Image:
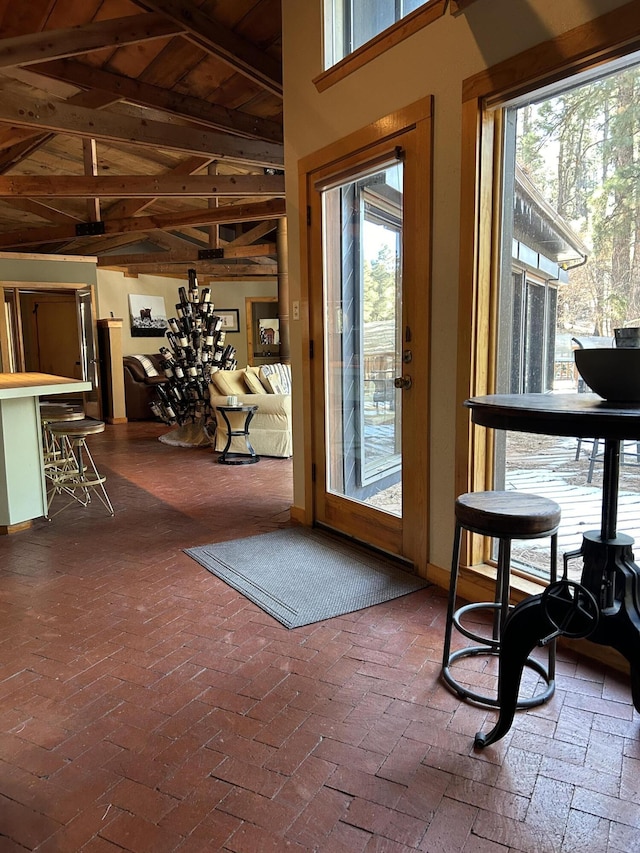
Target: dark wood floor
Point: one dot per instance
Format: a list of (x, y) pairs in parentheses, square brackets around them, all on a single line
[(145, 706)]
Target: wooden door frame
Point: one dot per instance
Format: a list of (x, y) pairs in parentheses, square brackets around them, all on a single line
[(248, 316), (14, 288), (346, 154), (587, 46)]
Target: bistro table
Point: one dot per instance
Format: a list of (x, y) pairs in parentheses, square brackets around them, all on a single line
[(238, 458), (605, 606)]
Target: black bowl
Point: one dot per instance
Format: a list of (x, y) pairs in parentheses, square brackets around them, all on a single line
[(614, 374)]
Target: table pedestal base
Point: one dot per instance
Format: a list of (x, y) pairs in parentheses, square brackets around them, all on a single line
[(606, 604)]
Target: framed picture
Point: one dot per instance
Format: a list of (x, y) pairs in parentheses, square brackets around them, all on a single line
[(148, 316), (230, 319)]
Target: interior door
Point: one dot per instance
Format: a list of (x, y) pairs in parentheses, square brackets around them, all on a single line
[(370, 330)]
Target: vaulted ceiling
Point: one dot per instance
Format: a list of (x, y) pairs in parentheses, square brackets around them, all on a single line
[(146, 132)]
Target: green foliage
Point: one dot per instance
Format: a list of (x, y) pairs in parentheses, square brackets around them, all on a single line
[(380, 286), (582, 151)]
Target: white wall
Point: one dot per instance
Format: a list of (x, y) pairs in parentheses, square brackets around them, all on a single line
[(434, 61), (113, 299)]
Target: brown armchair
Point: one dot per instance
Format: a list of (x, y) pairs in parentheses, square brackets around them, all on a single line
[(140, 385)]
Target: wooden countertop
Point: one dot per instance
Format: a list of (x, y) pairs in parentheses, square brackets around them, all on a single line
[(36, 384)]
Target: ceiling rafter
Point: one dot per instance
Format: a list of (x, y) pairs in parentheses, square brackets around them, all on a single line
[(142, 186), (114, 32), (211, 35), (126, 208), (62, 117), (44, 211), (183, 257), (210, 270), (205, 216), (176, 103)]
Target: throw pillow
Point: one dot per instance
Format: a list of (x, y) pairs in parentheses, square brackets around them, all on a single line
[(276, 376), (147, 365), (229, 382), (252, 381)]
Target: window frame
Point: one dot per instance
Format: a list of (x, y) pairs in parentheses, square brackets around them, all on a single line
[(402, 29), (588, 46)]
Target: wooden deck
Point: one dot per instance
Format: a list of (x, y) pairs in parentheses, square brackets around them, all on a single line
[(547, 466)]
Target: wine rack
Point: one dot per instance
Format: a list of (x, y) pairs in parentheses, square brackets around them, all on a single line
[(195, 348)]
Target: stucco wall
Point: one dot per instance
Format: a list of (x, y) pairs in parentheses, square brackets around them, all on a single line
[(113, 298), (434, 61)]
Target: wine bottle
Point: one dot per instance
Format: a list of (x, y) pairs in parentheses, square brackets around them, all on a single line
[(193, 286), (206, 295), (182, 293), (166, 402), (173, 324)]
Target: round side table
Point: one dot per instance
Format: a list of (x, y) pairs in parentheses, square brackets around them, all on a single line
[(237, 458)]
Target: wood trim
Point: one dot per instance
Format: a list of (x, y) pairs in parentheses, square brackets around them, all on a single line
[(612, 35), (376, 46), (587, 46), (352, 145), (375, 143), (248, 318)]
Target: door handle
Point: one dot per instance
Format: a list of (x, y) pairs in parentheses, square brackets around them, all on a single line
[(403, 382)]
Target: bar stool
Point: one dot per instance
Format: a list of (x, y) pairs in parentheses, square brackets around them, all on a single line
[(504, 516), (51, 448), (76, 474)]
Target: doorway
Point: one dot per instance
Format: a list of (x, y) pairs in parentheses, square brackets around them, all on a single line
[(369, 287), (52, 329)]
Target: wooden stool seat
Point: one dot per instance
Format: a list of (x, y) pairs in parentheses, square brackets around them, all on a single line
[(50, 413), (76, 428), (503, 516), (513, 514)]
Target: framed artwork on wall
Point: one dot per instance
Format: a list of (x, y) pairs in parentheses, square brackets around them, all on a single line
[(148, 316), (230, 319)]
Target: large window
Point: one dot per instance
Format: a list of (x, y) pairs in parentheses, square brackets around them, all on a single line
[(569, 274), (349, 24)]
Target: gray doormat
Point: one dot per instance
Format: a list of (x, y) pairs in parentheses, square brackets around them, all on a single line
[(300, 576)]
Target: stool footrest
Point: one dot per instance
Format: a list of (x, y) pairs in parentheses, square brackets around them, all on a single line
[(493, 701)]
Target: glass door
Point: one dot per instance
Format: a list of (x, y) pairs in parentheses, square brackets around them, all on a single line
[(362, 338), (89, 363), (370, 342)]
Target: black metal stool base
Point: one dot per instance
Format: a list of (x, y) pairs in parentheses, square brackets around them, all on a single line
[(492, 701)]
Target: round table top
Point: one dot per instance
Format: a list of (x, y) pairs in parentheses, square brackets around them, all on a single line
[(241, 407), (577, 415)]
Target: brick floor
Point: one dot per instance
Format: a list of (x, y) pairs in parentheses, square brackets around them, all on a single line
[(145, 706)]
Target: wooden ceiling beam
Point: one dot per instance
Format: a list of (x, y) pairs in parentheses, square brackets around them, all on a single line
[(129, 207), (185, 256), (61, 117), (176, 103), (212, 270), (214, 37), (254, 233), (141, 186), (44, 211), (194, 234), (94, 99), (162, 222), (115, 32)]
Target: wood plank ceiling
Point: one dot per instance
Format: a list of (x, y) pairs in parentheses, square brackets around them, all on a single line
[(145, 132)]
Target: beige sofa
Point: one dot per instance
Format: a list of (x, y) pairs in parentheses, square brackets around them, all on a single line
[(268, 388)]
